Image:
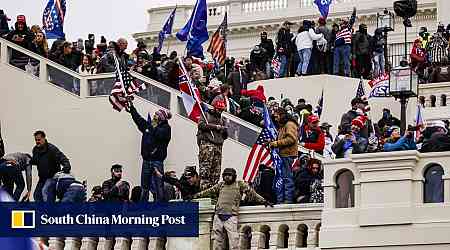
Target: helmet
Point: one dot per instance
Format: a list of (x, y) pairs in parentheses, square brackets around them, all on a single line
[(230, 171)]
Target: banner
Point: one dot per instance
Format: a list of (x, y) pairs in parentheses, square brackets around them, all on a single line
[(174, 219)]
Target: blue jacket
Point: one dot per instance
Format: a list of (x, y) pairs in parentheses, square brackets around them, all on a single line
[(154, 141), (402, 144)]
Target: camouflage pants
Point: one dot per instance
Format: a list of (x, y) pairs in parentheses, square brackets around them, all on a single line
[(210, 160)]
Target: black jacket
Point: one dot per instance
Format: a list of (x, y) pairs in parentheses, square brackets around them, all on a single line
[(284, 37), (439, 142), (113, 193), (303, 181), (267, 44), (346, 123), (154, 141), (49, 160)]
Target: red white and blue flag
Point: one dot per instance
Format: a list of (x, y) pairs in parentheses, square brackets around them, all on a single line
[(124, 87), (53, 19), (190, 95)]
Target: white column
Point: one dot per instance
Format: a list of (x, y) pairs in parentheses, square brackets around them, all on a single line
[(292, 238), (442, 11), (89, 243), (105, 243), (235, 9), (311, 240), (56, 243), (273, 241), (446, 179), (122, 243), (72, 243), (139, 243), (256, 237)]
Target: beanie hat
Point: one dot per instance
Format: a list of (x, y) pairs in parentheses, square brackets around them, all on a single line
[(359, 121), (313, 118), (21, 19), (163, 115)]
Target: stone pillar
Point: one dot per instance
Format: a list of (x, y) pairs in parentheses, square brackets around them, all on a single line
[(105, 243), (56, 243), (311, 240), (442, 11), (139, 243), (293, 4), (122, 243), (446, 179), (89, 243), (256, 238), (235, 9), (292, 238), (273, 240), (72, 243)]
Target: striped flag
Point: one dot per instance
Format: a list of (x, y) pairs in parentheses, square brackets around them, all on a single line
[(124, 87), (190, 95), (276, 65), (218, 45), (360, 91)]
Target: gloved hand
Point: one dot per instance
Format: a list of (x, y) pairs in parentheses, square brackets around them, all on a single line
[(268, 203), (66, 170)]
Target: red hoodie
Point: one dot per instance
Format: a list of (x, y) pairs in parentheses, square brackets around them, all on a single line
[(258, 93), (317, 146)]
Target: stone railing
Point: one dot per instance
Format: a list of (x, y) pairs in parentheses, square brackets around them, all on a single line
[(387, 199), (282, 227)]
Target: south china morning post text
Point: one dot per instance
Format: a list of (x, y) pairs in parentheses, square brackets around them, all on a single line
[(173, 219), (115, 219)]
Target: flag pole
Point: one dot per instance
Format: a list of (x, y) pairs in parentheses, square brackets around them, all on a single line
[(168, 47)]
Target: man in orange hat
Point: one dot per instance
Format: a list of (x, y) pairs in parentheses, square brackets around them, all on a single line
[(211, 135)]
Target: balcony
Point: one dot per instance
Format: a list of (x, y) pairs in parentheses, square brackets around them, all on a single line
[(397, 199), (281, 227)]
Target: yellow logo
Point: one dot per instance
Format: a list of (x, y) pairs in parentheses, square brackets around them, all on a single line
[(22, 219)]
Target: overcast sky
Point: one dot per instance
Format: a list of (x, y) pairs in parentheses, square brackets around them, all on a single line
[(111, 18)]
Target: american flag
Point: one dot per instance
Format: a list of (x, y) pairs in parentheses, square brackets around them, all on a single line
[(218, 45), (276, 65), (124, 87), (263, 155), (360, 91), (53, 19)]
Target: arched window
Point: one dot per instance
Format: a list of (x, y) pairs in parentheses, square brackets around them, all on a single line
[(434, 184), (433, 101), (265, 237), (283, 237), (302, 236), (345, 192), (443, 100), (246, 237)]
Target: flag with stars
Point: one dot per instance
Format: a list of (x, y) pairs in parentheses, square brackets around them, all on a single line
[(53, 19), (124, 87), (360, 93), (261, 154)]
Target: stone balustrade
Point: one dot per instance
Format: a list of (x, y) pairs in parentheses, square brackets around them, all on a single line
[(287, 226)]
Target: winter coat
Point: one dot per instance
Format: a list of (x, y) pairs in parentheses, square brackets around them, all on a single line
[(356, 148), (267, 45), (208, 132), (68, 61), (346, 123), (155, 140), (111, 192), (287, 141), (284, 37), (4, 27), (439, 142), (404, 143), (309, 187), (361, 43), (377, 43), (238, 79), (313, 139), (49, 160), (304, 40)]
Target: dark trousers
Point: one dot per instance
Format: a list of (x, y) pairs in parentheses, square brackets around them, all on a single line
[(363, 66), (11, 175), (41, 190), (76, 193), (151, 182)]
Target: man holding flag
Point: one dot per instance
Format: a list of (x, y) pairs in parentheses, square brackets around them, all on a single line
[(195, 32), (287, 144)]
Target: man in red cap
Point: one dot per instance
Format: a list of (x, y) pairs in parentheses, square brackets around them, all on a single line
[(313, 138), (23, 37), (351, 141), (211, 135)]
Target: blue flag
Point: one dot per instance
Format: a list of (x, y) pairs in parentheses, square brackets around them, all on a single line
[(277, 163), (319, 107), (53, 19), (167, 29), (324, 6), (195, 32)]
